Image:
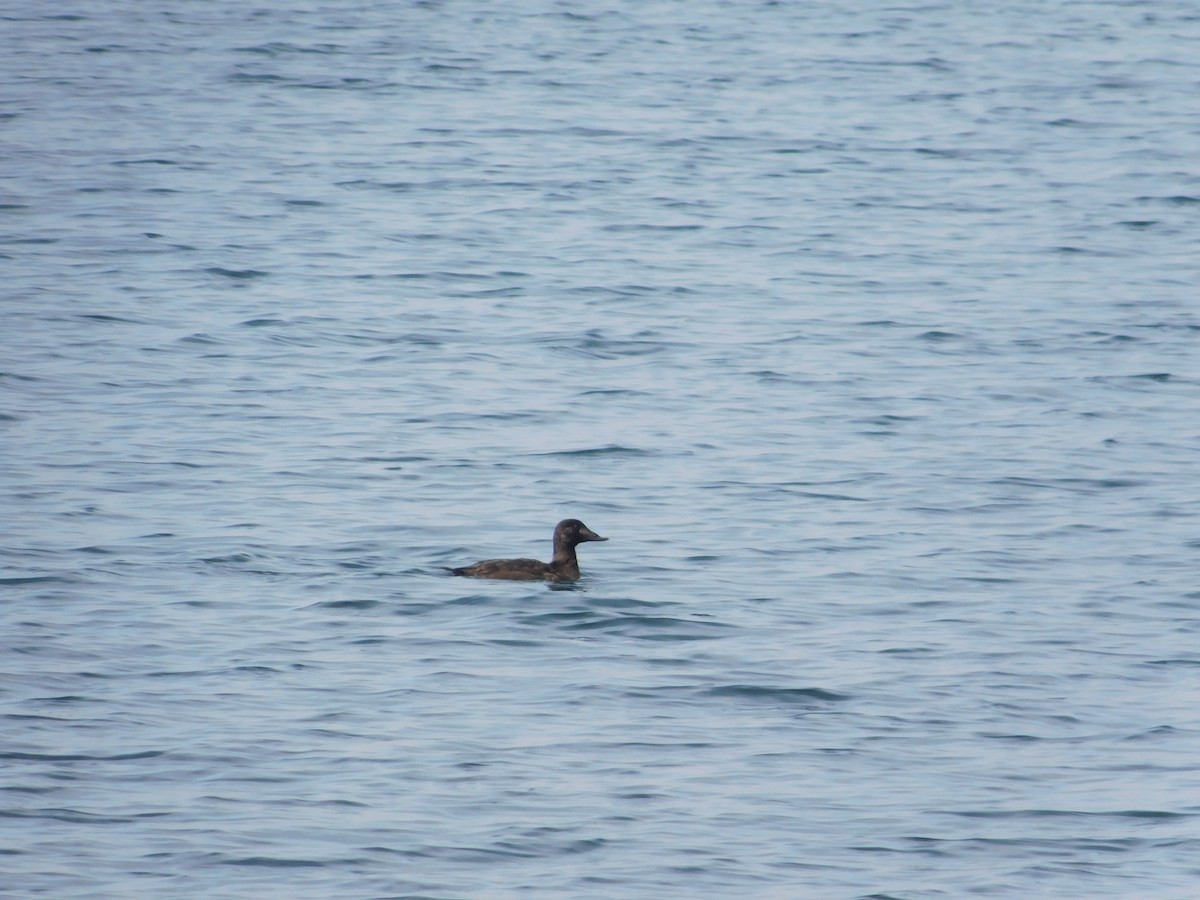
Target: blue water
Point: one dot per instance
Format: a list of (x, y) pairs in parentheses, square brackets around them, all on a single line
[(866, 332)]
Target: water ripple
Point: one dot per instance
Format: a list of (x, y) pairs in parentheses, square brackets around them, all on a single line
[(866, 334)]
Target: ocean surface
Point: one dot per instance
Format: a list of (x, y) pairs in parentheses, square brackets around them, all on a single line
[(867, 332)]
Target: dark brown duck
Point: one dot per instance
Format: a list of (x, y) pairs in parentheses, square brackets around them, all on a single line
[(563, 567)]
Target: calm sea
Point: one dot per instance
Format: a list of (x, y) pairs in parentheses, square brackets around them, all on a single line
[(867, 332)]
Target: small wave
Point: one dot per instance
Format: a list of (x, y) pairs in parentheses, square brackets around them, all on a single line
[(1134, 380), (654, 628), (779, 695), (1173, 662), (100, 317), (278, 48), (595, 345), (1173, 200), (347, 604), (231, 558), (608, 450), (646, 227), (76, 757), (199, 338), (256, 78), (1082, 485), (36, 579), (273, 862), (1070, 814), (237, 274), (74, 816)]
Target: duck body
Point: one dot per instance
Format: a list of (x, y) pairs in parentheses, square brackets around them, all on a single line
[(563, 566)]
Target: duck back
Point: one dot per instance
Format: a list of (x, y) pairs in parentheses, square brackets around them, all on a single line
[(508, 569)]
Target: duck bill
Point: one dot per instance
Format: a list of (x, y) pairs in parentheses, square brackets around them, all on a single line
[(588, 535)]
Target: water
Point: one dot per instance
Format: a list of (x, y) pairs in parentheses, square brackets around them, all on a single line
[(867, 335)]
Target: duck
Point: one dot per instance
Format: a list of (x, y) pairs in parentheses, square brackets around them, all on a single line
[(564, 566)]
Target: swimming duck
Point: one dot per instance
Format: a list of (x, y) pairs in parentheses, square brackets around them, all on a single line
[(563, 567)]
